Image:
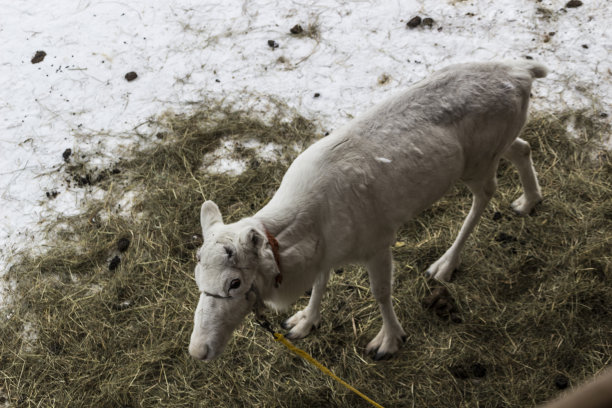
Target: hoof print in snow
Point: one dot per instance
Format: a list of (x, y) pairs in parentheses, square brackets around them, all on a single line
[(428, 22), (130, 76), (38, 57), (272, 44), (52, 194), (296, 29), (573, 4), (114, 263), (414, 22)]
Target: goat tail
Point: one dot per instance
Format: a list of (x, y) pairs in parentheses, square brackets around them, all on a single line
[(537, 70)]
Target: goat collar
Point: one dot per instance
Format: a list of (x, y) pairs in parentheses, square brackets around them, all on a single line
[(275, 251)]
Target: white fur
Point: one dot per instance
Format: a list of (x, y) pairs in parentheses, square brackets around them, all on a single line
[(343, 199)]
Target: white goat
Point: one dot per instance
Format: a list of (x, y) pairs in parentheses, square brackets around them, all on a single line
[(595, 393), (343, 199)]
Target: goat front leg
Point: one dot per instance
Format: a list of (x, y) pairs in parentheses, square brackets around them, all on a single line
[(482, 191), (390, 337), (305, 320)]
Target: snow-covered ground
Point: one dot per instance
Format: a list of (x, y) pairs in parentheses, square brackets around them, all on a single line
[(350, 55)]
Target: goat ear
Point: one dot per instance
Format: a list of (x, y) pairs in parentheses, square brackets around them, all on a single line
[(209, 216)]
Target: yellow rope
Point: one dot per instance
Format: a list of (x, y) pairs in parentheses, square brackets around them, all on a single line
[(280, 338)]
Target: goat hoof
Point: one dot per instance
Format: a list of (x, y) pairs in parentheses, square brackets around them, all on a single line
[(428, 274), (286, 325), (381, 356)]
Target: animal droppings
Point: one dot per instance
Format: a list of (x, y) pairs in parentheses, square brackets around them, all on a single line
[(123, 244), (52, 194), (478, 370), (573, 4), (414, 22), (296, 29), (38, 57), (114, 263), (130, 76), (561, 382), (505, 238), (428, 21)]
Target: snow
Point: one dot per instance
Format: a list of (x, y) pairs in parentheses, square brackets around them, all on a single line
[(189, 51), (221, 161)]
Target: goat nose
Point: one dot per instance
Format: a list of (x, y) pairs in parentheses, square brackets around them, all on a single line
[(198, 351)]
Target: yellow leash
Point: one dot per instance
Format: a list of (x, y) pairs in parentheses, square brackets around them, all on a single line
[(281, 339)]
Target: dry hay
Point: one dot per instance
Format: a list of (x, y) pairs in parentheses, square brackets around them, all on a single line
[(533, 295)]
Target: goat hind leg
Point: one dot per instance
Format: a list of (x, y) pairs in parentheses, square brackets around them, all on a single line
[(482, 192), (519, 153)]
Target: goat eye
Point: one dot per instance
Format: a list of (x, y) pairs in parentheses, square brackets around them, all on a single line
[(235, 284)]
